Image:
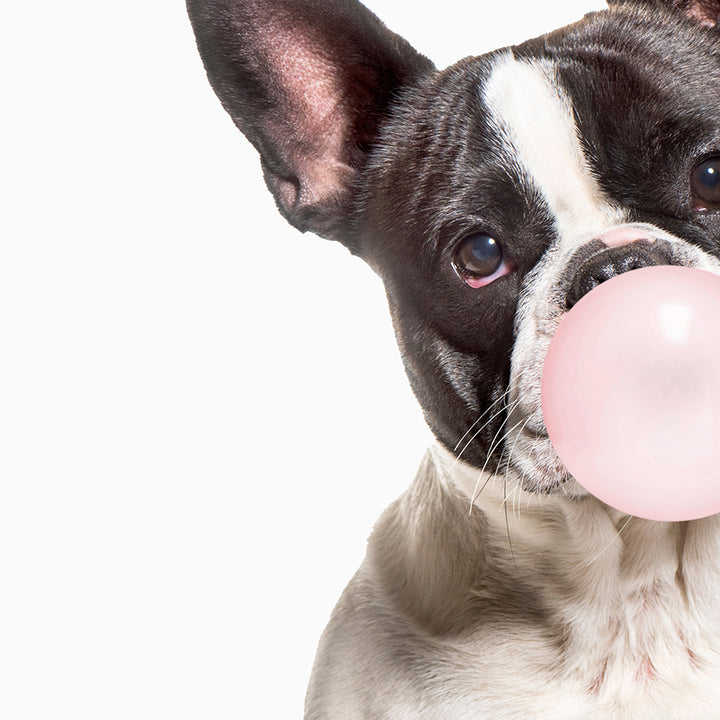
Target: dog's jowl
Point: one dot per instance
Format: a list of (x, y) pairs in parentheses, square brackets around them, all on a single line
[(490, 197)]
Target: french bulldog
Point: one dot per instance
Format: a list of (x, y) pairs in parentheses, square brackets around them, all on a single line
[(490, 197)]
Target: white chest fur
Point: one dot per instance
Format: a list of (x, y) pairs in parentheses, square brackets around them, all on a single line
[(590, 615), (633, 608)]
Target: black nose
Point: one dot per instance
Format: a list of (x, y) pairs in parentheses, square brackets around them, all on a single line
[(611, 262)]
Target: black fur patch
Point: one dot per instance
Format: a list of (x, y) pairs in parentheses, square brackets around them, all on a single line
[(425, 169)]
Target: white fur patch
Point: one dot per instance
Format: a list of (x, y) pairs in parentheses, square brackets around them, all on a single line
[(534, 117)]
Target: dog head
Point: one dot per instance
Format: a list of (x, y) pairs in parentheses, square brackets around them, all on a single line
[(489, 196)]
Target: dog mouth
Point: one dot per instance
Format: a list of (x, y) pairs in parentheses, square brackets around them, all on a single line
[(549, 294), (528, 449), (533, 460)]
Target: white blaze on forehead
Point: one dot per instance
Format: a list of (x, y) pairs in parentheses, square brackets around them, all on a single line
[(534, 118)]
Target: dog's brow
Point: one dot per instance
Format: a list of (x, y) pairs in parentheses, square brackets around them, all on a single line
[(533, 116)]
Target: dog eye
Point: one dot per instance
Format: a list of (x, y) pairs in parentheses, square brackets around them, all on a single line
[(479, 259), (705, 184)]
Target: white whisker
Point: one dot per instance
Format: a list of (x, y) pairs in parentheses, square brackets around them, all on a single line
[(493, 446), (479, 430), (486, 411), (507, 523), (512, 449), (615, 537)]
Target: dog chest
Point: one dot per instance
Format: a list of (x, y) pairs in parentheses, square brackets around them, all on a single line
[(507, 670), (647, 660), (589, 616)]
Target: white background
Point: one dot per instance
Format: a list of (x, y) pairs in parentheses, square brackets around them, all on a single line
[(202, 411)]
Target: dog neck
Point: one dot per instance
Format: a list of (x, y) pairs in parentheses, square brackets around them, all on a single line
[(567, 563)]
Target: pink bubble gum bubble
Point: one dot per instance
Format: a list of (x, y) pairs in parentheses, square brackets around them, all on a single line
[(631, 392)]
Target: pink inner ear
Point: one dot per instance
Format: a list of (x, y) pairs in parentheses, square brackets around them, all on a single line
[(705, 12), (315, 120)]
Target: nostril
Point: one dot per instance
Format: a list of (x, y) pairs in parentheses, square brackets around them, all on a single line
[(588, 281), (611, 262)]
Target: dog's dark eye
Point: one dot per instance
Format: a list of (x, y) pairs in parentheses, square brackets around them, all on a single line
[(479, 260), (705, 184), (479, 255)]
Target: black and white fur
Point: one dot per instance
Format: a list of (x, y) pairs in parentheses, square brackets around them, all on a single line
[(575, 151)]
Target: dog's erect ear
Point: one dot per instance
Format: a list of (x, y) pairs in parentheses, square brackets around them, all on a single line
[(308, 82), (706, 12)]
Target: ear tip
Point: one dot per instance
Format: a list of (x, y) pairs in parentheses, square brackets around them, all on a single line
[(309, 83)]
